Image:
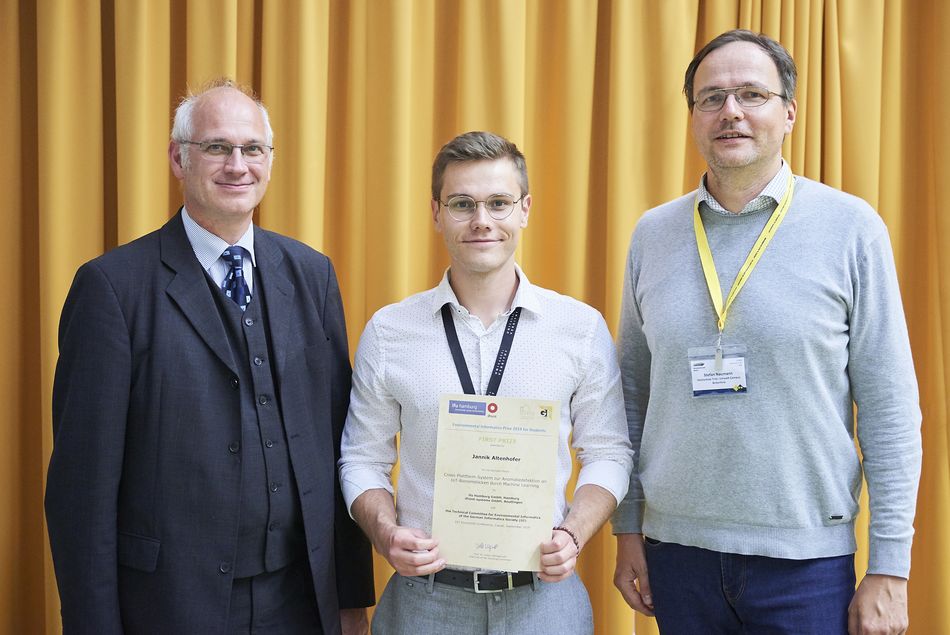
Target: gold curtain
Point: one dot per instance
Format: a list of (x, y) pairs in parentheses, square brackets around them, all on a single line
[(363, 92)]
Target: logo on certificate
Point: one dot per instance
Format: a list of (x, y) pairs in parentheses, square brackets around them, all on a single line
[(492, 407), (458, 407)]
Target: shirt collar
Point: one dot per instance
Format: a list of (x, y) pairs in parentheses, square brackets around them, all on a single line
[(208, 247), (773, 191), (526, 295)]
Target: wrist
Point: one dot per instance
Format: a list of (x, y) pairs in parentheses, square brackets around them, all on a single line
[(383, 534), (569, 532)]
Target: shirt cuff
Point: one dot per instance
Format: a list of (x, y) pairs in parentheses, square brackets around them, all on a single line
[(607, 474), (358, 481)]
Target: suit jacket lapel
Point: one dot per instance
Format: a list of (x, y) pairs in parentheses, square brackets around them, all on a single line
[(189, 289), (280, 293)]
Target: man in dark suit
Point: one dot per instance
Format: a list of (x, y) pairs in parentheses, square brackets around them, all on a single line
[(198, 403)]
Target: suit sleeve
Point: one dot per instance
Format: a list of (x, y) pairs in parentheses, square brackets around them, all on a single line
[(90, 406), (354, 556)]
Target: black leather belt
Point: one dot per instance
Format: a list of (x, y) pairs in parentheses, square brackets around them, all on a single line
[(484, 582)]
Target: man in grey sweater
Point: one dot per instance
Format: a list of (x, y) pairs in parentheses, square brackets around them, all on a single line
[(757, 312)]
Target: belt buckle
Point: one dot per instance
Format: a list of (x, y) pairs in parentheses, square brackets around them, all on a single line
[(475, 575)]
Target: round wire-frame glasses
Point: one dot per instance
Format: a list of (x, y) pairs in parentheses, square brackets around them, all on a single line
[(463, 207)]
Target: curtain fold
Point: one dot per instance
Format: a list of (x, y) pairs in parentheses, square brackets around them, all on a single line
[(362, 93)]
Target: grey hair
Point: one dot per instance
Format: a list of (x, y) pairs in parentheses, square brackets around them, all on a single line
[(183, 127), (477, 146), (784, 63)]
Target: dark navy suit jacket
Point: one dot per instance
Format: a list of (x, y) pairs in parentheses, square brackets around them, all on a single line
[(144, 483)]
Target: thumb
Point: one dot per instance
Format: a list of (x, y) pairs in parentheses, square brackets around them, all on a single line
[(645, 594)]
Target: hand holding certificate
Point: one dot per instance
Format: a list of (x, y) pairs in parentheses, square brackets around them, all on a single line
[(494, 480)]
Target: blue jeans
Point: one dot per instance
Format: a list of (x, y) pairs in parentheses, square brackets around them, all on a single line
[(700, 591)]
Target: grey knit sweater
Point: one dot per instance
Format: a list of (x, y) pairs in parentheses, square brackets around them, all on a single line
[(773, 471)]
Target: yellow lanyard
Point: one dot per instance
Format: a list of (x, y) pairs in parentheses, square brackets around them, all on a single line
[(709, 267)]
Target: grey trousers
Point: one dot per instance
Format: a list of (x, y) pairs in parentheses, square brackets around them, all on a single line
[(419, 606)]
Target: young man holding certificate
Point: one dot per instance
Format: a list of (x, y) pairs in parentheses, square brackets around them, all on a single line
[(485, 378)]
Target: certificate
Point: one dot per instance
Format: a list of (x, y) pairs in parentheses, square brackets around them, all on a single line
[(495, 466)]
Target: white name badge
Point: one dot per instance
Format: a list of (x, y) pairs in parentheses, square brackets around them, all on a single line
[(712, 378)]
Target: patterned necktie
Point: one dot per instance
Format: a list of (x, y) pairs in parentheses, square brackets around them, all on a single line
[(234, 285)]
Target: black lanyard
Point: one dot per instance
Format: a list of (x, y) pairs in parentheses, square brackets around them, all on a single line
[(500, 361)]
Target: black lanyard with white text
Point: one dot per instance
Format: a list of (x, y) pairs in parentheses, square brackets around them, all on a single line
[(500, 361)]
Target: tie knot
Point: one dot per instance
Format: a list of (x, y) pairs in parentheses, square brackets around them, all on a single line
[(235, 255)]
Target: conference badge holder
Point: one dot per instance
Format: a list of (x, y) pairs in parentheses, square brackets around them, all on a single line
[(718, 370)]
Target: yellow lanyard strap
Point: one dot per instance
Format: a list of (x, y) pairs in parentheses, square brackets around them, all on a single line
[(709, 267)]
